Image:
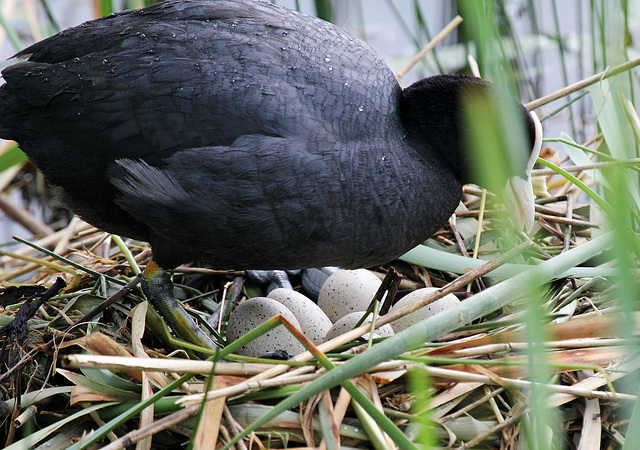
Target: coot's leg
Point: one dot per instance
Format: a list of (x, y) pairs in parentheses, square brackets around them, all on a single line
[(275, 278), (158, 288)]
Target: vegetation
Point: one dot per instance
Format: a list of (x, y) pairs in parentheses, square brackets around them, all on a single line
[(542, 352)]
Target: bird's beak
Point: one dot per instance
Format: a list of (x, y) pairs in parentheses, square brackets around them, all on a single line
[(518, 195)]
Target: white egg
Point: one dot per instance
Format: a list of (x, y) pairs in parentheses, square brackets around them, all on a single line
[(254, 312), (348, 323), (314, 323), (405, 322), (347, 291)]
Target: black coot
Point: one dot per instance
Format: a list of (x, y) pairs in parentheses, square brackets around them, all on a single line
[(242, 134)]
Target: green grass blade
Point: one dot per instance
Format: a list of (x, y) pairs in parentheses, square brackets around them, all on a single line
[(483, 303)]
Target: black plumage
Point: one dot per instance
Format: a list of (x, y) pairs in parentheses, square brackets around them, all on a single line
[(242, 134)]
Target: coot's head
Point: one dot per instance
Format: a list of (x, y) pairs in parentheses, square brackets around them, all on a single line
[(481, 136)]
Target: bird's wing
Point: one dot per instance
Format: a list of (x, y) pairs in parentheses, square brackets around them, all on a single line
[(260, 191), (187, 74), (120, 26)]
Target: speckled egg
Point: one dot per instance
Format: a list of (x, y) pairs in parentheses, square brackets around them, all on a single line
[(445, 302), (254, 312), (314, 323), (347, 291), (348, 323)]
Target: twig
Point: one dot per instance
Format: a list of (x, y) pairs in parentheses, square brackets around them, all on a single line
[(471, 406), (547, 217), (45, 347), (389, 286), (550, 229), (108, 302), (161, 424), (569, 215), (17, 328), (457, 20), (557, 212), (575, 391), (491, 431), (567, 221), (608, 72), (595, 165), (21, 215)]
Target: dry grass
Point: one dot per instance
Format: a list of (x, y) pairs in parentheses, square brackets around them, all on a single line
[(471, 387), (480, 392)]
